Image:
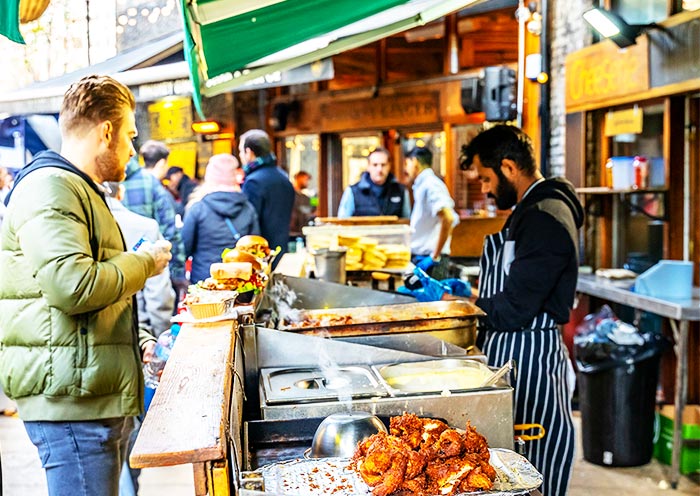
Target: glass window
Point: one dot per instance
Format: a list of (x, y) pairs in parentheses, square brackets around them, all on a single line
[(640, 11), (302, 153), (355, 152)]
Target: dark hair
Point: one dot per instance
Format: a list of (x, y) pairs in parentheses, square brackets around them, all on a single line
[(152, 151), (423, 155), (379, 149), (498, 143), (92, 100), (174, 170), (258, 141)]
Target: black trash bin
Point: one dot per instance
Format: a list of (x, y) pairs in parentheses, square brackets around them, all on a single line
[(617, 397)]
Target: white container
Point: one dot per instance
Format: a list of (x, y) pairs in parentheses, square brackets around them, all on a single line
[(622, 172), (668, 280)]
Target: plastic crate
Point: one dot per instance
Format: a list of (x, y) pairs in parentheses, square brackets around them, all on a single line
[(690, 451)]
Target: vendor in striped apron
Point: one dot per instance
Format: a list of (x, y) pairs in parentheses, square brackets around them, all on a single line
[(526, 287)]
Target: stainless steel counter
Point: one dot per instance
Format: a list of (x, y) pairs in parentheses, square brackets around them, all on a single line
[(620, 292), (679, 313)]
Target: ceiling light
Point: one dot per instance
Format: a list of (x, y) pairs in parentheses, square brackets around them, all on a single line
[(206, 127)]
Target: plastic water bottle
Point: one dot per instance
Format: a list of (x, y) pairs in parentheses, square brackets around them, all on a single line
[(153, 369), (299, 244)]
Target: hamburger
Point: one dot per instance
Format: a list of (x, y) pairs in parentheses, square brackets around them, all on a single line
[(255, 245), (233, 276), (237, 255)]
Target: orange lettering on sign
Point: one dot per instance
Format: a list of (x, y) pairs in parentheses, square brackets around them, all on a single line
[(602, 71)]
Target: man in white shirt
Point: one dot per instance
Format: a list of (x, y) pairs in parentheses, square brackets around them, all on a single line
[(157, 299), (433, 216)]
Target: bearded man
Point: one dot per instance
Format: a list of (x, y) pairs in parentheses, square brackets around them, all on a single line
[(526, 287), (70, 348)]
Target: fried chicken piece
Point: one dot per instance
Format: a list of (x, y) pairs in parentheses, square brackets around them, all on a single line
[(384, 465), (476, 443), (432, 429), (409, 428), (479, 479), (450, 443), (414, 487), (446, 475), (416, 464)]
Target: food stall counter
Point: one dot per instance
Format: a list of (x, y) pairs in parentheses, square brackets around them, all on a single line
[(187, 421)]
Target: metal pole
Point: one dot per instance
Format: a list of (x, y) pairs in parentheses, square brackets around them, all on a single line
[(87, 20), (544, 91), (521, 61)]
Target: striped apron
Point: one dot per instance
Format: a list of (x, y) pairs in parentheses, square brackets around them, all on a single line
[(541, 388)]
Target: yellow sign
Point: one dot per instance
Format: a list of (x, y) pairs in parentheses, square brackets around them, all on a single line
[(603, 71), (171, 118), (183, 155), (624, 122)]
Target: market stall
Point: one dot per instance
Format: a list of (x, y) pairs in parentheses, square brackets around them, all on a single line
[(237, 395)]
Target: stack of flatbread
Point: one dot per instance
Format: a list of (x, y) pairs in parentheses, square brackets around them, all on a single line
[(397, 256), (364, 252)]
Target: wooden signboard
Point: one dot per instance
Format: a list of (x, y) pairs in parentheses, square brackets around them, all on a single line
[(381, 112), (603, 71)]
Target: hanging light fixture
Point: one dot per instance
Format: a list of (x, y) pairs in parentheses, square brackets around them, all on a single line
[(31, 10)]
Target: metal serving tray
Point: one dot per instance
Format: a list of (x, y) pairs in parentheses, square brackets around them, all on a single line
[(384, 319), (303, 384), (435, 376)]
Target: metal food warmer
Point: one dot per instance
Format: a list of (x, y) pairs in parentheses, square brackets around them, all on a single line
[(297, 372)]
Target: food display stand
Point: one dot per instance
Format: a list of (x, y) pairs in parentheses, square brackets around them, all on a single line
[(209, 412)]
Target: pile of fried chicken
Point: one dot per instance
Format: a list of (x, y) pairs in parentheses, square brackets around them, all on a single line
[(422, 457)]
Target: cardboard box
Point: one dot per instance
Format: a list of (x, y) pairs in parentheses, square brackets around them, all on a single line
[(690, 449)]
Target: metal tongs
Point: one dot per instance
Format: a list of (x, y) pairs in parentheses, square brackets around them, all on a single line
[(493, 378)]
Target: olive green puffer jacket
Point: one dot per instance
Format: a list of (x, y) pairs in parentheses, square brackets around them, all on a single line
[(68, 347)]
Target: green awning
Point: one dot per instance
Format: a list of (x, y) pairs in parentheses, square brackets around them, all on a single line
[(9, 20), (230, 42)]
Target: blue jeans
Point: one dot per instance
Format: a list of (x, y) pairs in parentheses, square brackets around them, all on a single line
[(82, 458)]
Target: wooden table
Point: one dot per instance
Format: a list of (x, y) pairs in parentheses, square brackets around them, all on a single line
[(188, 419)]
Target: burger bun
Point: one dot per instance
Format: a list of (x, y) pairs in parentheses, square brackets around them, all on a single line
[(236, 255)]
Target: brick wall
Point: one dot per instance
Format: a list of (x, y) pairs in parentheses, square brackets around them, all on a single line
[(569, 32)]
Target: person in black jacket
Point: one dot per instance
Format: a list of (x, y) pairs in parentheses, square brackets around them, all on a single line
[(377, 192), (217, 215), (268, 189), (526, 287)]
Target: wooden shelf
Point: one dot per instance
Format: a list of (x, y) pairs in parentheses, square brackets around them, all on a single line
[(604, 190)]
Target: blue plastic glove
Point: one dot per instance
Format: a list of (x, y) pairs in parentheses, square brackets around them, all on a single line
[(432, 289), (426, 263), (458, 287)]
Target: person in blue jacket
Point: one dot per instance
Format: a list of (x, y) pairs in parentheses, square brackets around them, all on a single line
[(267, 188), (217, 215)]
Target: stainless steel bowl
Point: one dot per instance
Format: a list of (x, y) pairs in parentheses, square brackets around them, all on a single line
[(339, 434)]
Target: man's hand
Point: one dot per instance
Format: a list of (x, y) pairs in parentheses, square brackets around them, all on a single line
[(148, 351), (426, 263), (160, 251)]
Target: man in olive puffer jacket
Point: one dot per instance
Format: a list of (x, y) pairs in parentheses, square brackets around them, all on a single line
[(70, 347)]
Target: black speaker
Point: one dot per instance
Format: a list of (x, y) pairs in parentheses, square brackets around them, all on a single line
[(500, 94), (278, 119), (472, 95)]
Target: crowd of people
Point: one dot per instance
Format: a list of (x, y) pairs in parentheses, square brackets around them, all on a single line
[(79, 315)]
